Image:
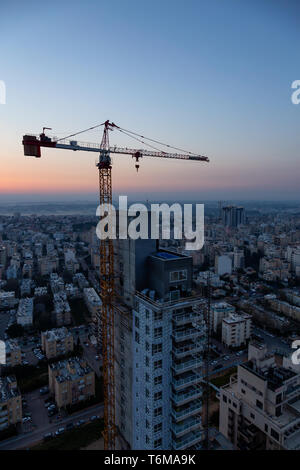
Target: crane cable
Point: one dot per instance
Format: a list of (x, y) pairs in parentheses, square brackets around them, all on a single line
[(127, 132), (156, 141), (80, 132)]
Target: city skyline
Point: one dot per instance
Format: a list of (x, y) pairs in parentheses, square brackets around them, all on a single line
[(214, 87)]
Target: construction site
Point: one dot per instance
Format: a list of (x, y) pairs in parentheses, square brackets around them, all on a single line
[(152, 330)]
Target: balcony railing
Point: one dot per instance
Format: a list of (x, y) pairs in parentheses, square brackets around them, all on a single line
[(188, 411), (186, 365), (182, 318), (189, 379), (180, 398), (191, 348), (188, 441), (181, 335), (186, 426)]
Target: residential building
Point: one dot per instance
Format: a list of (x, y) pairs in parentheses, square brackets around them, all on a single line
[(159, 346), (71, 381), (57, 342), (236, 329), (259, 408), (10, 402), (13, 353), (25, 312), (219, 311)]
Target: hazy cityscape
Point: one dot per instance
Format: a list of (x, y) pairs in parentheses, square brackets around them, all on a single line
[(51, 383), (149, 230)]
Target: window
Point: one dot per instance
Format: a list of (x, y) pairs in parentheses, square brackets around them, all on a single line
[(224, 399), (158, 427), (266, 428), (158, 364), (137, 337), (274, 434), (147, 314), (137, 322), (147, 378), (278, 398), (252, 415), (157, 316), (147, 361), (157, 411), (178, 275), (259, 404), (157, 396), (156, 348), (147, 393), (158, 380), (158, 332), (147, 330), (243, 391)]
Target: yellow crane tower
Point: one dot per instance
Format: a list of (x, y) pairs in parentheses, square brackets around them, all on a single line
[(32, 147)]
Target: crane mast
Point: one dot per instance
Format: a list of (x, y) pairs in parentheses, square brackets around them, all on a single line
[(32, 147)]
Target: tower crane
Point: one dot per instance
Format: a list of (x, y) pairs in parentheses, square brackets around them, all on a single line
[(32, 147)]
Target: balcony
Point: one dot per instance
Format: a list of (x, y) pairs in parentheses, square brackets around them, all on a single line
[(184, 397), (187, 317), (189, 348), (191, 424), (188, 411), (187, 365), (190, 378), (188, 441), (185, 334)]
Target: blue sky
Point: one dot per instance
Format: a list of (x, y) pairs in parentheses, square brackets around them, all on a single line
[(211, 76)]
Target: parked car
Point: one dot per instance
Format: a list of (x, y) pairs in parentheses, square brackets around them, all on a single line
[(48, 436), (60, 431), (69, 426)]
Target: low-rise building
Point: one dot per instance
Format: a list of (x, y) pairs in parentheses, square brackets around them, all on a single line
[(13, 353), (219, 311), (25, 312), (259, 408), (71, 381), (57, 342), (62, 310), (10, 402), (236, 329)]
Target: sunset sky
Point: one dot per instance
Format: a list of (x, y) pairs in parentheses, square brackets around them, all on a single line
[(213, 77)]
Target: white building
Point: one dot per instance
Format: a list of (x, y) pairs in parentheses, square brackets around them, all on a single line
[(236, 329), (259, 408), (219, 311)]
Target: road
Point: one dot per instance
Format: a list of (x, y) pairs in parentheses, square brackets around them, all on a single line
[(26, 440)]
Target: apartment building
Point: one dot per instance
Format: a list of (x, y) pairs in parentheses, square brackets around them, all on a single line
[(7, 299), (219, 311), (236, 329), (259, 408), (10, 402), (13, 353), (62, 310), (25, 312), (159, 344), (71, 381), (57, 342)]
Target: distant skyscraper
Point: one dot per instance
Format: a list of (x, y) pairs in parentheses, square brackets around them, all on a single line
[(233, 216)]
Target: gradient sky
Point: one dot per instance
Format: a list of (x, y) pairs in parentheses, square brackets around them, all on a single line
[(211, 76)]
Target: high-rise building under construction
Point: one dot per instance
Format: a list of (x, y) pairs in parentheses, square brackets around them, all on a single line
[(159, 345)]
